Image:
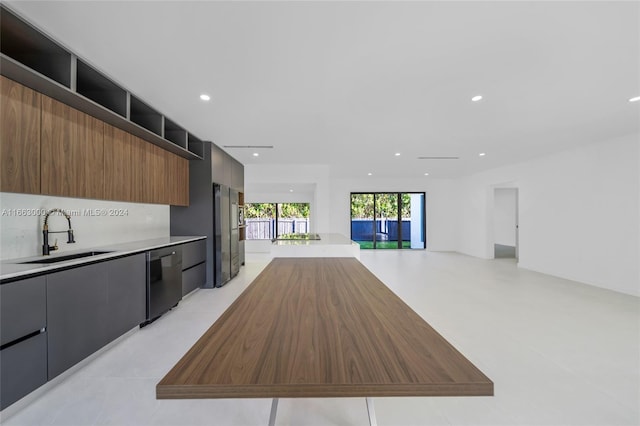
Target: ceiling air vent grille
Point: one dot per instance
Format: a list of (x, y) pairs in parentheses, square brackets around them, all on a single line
[(438, 158), (250, 146)]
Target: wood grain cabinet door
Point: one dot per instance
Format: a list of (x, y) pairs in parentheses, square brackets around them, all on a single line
[(177, 180), (19, 138), (153, 170), (138, 147), (118, 165), (183, 181), (72, 152)]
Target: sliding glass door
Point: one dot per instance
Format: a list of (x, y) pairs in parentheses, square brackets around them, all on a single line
[(388, 220), (386, 217)]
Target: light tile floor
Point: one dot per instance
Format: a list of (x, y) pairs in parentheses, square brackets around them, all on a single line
[(559, 353)]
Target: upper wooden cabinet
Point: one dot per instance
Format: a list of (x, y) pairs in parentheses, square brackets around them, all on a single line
[(19, 138), (141, 172), (51, 148), (72, 152)]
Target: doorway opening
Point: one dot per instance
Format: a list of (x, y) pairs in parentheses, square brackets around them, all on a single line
[(505, 223)]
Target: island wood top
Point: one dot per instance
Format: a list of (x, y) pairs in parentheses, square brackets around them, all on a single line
[(321, 327)]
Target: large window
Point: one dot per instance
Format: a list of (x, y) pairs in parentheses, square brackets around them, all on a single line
[(388, 220), (266, 221)]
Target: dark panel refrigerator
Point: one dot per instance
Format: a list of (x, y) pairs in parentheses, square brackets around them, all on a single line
[(222, 240), (235, 241)]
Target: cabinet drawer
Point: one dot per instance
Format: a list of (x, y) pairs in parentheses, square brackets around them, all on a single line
[(193, 253), (194, 278), (23, 308), (23, 368)]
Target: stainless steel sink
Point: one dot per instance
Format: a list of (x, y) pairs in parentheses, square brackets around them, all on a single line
[(65, 257)]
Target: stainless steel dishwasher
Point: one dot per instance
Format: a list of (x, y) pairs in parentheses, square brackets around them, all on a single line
[(164, 281)]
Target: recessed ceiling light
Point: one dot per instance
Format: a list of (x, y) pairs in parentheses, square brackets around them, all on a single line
[(476, 98), (426, 174), (255, 154), (291, 190), (205, 97), (482, 154), (397, 154), (636, 99), (369, 174)]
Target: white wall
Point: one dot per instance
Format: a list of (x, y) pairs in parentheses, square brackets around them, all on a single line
[(578, 214), (21, 235), (504, 216)]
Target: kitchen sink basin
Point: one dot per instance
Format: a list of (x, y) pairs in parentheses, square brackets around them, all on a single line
[(64, 258)]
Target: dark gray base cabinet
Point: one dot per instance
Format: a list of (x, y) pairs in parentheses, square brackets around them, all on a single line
[(76, 315), (89, 306), (23, 367), (193, 278), (194, 268), (23, 360), (193, 253), (127, 306)]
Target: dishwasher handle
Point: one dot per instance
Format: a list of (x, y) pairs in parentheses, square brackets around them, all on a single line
[(159, 255)]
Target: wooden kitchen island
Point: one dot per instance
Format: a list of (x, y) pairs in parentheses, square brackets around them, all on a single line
[(321, 327)]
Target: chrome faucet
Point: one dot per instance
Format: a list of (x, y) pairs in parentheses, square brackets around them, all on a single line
[(46, 248)]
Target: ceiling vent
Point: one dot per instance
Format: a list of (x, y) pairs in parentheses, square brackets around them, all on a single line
[(438, 158), (250, 146)]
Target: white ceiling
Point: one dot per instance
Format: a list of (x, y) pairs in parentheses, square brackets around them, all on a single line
[(350, 83)]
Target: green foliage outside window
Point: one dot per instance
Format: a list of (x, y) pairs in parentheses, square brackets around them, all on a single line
[(298, 210), (386, 206), (268, 210), (259, 210)]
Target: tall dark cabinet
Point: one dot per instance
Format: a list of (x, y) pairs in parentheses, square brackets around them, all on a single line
[(222, 227), (216, 186), (235, 237)]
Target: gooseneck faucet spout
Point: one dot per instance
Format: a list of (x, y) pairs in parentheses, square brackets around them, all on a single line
[(46, 248)]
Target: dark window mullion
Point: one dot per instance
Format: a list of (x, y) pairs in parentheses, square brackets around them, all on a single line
[(399, 203), (277, 216), (375, 221)]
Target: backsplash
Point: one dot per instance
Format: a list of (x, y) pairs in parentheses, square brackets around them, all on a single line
[(94, 222)]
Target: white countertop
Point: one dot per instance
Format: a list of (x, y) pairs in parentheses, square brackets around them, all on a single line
[(14, 268), (325, 239), (329, 245)]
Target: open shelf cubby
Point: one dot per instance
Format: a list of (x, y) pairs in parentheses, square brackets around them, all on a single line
[(194, 145), (175, 133), (95, 86), (25, 44), (145, 116)]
